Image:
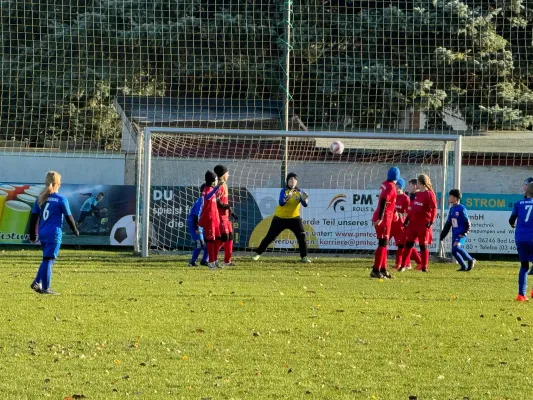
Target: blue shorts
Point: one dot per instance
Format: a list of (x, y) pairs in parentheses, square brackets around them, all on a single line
[(460, 240), (525, 251), (50, 249), (196, 237)]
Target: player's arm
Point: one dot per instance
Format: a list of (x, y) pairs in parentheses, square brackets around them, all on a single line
[(196, 212), (303, 198), (513, 217), (34, 219), (284, 198), (446, 228), (466, 220), (65, 208), (433, 208), (213, 192)]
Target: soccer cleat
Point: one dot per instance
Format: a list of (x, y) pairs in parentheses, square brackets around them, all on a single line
[(305, 260), (193, 264), (402, 269), (229, 264), (204, 263), (212, 265), (462, 270), (376, 274), (218, 265), (36, 287), (256, 257), (424, 269), (407, 267), (521, 298), (49, 291), (386, 274), (471, 264), (419, 267)]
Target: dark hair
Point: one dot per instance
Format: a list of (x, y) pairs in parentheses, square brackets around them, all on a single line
[(289, 176), (413, 181), (455, 193), (101, 194)]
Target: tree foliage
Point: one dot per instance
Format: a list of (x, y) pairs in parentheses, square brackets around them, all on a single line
[(354, 64)]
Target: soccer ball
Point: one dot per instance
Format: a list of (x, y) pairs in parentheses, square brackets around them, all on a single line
[(336, 147), (123, 232)]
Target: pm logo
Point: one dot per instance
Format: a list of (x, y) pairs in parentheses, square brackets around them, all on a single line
[(337, 202)]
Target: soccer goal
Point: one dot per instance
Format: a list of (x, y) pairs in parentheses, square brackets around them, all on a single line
[(343, 188)]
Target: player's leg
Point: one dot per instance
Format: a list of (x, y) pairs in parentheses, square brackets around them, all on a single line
[(296, 226), (222, 237), (460, 249), (523, 249), (205, 255), (410, 237), (210, 237), (197, 246), (424, 242), (381, 251), (50, 252), (228, 245), (415, 256), (37, 283), (277, 226), (383, 246)]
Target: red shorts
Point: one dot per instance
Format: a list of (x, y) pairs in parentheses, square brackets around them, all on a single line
[(212, 231), (383, 230), (398, 232), (226, 226), (422, 233)]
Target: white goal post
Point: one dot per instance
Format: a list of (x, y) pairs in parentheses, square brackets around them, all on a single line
[(171, 163)]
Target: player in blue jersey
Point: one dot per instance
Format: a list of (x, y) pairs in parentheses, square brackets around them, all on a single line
[(49, 210), (196, 231), (459, 222), (522, 219), (527, 181)]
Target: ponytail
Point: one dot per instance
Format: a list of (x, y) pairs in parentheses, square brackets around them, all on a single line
[(51, 182), (425, 181)]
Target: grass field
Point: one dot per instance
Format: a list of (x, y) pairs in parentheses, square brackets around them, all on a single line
[(157, 329)]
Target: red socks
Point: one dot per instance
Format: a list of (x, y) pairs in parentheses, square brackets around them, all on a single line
[(212, 251), (228, 251), (424, 255), (399, 257), (380, 258)]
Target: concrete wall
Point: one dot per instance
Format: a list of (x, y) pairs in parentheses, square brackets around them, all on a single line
[(475, 179), (75, 169)]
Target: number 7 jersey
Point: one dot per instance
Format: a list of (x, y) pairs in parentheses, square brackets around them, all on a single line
[(51, 218), (523, 211)]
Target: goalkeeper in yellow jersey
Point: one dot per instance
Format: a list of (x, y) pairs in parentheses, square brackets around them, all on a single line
[(287, 216)]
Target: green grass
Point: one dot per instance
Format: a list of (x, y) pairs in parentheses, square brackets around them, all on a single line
[(156, 329)]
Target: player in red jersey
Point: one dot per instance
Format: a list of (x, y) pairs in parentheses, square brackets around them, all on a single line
[(225, 213), (406, 261), (209, 218), (382, 221), (420, 218), (397, 227)]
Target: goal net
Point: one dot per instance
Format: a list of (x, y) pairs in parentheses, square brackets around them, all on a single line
[(343, 189)]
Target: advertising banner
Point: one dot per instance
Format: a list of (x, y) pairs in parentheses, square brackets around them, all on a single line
[(104, 213)]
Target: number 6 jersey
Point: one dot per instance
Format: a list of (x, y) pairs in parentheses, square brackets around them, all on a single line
[(51, 217)]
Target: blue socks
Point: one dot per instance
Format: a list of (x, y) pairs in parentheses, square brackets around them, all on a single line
[(44, 274), (196, 253), (461, 255), (522, 278)]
